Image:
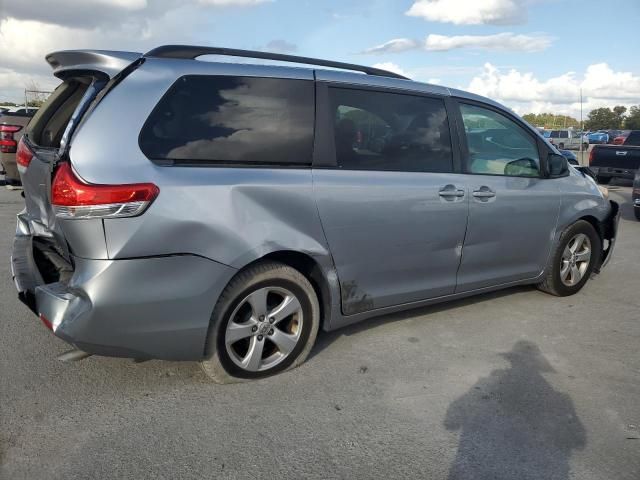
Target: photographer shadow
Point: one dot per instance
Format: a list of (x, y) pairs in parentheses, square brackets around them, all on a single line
[(514, 425)]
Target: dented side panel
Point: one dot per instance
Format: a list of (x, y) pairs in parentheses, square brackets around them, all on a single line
[(230, 215)]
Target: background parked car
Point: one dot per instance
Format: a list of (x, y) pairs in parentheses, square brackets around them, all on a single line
[(616, 161), (570, 156), (620, 139), (21, 111), (612, 135), (598, 138), (564, 139), (636, 195), (12, 126)]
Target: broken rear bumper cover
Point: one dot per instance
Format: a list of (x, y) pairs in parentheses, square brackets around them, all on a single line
[(155, 307)]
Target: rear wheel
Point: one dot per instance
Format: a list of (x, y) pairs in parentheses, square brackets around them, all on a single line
[(561, 146), (573, 261), (266, 321), (603, 179)]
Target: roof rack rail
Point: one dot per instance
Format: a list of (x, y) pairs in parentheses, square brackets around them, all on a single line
[(191, 52)]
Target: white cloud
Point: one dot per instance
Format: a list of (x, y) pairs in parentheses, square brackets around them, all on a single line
[(441, 43), (392, 67), (471, 12), (524, 92), (136, 25), (233, 3), (394, 46), (499, 41)]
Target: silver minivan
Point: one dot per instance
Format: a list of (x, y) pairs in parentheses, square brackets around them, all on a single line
[(185, 209)]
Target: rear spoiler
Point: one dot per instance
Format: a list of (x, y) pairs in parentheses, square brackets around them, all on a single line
[(107, 62)]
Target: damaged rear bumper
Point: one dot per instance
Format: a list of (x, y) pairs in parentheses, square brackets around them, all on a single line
[(156, 307)]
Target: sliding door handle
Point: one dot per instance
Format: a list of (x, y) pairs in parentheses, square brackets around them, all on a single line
[(484, 194), (450, 191)]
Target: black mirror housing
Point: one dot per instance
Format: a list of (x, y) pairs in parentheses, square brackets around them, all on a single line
[(557, 165)]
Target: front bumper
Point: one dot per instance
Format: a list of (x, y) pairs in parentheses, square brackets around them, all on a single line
[(156, 307), (610, 233)]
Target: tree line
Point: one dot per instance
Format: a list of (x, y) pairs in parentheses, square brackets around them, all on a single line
[(605, 118)]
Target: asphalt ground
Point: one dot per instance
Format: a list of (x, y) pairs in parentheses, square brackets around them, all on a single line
[(512, 385)]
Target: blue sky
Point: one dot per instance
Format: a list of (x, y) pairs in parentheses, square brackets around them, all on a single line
[(533, 55)]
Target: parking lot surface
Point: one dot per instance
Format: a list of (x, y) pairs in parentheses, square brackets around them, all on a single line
[(516, 384)]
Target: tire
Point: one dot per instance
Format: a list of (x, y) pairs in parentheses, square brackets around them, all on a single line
[(636, 211), (585, 146), (553, 282), (603, 180), (561, 146), (265, 287)]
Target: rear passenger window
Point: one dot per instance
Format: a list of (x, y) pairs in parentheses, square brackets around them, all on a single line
[(224, 119), (390, 131), (498, 145)]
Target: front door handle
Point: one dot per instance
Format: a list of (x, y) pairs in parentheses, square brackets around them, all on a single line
[(484, 193), (450, 191)]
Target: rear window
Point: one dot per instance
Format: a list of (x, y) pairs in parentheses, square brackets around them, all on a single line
[(227, 119), (559, 134), (50, 121)]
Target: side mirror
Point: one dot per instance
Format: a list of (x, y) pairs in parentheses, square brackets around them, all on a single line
[(558, 165)]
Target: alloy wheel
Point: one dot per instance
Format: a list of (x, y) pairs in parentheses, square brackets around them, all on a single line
[(575, 260), (264, 329)]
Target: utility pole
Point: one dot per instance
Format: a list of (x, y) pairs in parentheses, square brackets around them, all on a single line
[(581, 130)]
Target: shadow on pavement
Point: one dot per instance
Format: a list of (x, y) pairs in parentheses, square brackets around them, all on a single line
[(514, 425)]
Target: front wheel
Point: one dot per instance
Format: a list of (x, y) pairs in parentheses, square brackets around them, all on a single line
[(265, 322), (573, 261)]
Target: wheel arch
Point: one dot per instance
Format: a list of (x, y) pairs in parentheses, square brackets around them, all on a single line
[(595, 223), (314, 269)]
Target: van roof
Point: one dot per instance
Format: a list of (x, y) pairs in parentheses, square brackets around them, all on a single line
[(112, 62)]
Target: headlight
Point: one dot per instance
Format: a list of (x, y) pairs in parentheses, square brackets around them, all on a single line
[(604, 191)]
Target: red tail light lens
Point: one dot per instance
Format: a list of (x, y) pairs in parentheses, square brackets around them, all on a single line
[(7, 142), (74, 198), (23, 155), (8, 146), (591, 155)]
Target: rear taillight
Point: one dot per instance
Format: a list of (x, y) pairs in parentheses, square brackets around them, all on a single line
[(73, 198), (23, 155), (8, 144), (591, 155)]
